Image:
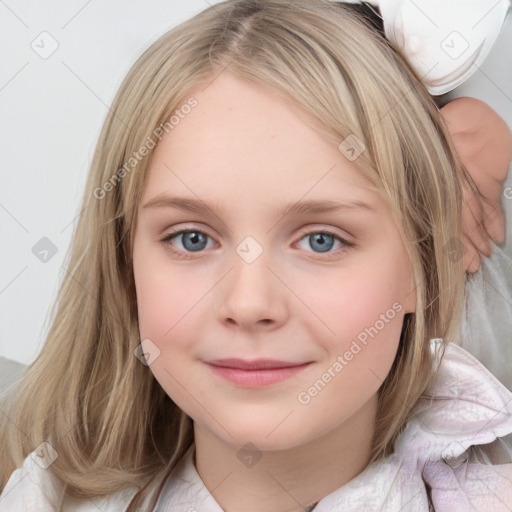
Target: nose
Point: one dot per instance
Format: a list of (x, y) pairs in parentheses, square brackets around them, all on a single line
[(252, 296)]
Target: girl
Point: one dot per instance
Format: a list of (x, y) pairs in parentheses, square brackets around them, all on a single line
[(294, 359)]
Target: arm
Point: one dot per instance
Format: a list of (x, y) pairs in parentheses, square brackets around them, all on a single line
[(483, 142)]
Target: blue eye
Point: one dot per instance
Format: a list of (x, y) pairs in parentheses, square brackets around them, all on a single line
[(191, 240), (195, 241), (323, 240)]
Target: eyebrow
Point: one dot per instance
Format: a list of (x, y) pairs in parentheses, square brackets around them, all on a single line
[(190, 204)]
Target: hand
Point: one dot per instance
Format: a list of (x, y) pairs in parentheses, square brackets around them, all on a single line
[(483, 142)]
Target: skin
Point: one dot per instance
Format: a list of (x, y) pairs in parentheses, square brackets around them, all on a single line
[(483, 142), (244, 151)]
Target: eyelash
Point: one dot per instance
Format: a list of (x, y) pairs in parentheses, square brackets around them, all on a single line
[(180, 254)]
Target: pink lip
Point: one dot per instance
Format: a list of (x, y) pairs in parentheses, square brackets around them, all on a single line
[(258, 373), (256, 364)]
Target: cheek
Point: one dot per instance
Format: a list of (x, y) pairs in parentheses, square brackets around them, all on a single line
[(156, 301), (358, 314), (355, 298), (365, 313), (168, 303), (166, 293)]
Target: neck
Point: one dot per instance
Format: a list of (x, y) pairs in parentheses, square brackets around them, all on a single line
[(285, 480)]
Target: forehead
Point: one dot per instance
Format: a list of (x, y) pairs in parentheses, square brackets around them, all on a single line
[(244, 144)]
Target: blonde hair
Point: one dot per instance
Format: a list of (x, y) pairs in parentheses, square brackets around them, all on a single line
[(109, 420)]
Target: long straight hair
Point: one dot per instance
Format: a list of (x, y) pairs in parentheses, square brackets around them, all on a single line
[(104, 413)]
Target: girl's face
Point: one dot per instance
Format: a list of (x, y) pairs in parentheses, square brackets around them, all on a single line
[(252, 281)]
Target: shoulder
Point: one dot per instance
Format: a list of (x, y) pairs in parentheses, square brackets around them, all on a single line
[(35, 488), (31, 487), (461, 436)]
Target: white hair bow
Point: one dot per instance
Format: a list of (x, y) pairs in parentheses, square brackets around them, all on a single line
[(445, 41)]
